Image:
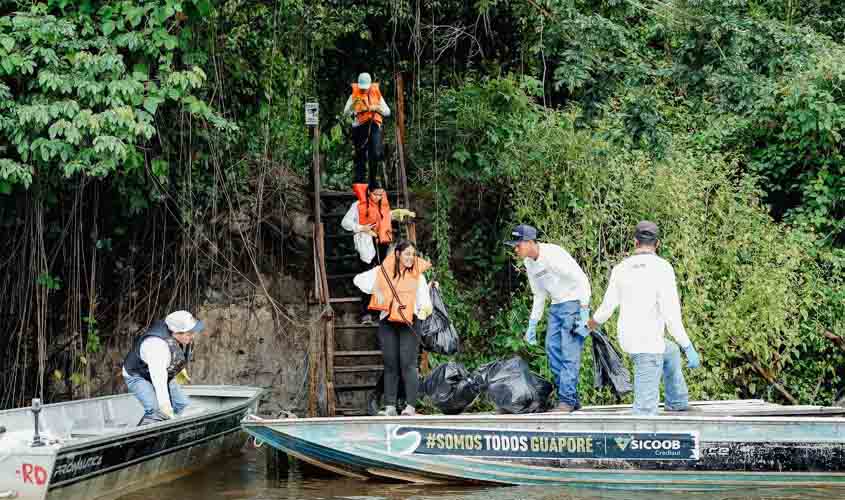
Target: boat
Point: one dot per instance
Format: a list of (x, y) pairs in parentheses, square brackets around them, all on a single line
[(714, 445), (93, 448)]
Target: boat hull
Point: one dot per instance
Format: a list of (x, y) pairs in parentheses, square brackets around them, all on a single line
[(686, 453)]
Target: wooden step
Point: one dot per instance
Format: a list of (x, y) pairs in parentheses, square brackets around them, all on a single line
[(343, 300), (358, 369), (344, 195), (354, 387), (356, 353), (342, 276), (351, 412), (355, 326)]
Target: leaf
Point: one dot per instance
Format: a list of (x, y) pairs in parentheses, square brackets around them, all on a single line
[(5, 187), (108, 27)]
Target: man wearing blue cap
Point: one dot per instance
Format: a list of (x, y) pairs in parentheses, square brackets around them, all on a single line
[(554, 274), (156, 359)]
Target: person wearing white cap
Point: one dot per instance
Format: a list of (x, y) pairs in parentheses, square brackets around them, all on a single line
[(156, 358), (368, 107)]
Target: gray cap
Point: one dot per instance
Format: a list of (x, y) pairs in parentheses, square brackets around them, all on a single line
[(522, 232), (646, 232)]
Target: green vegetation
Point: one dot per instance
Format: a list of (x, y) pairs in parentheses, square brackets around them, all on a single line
[(148, 144)]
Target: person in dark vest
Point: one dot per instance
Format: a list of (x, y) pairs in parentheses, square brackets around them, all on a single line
[(156, 358)]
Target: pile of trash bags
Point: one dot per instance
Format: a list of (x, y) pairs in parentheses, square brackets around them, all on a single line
[(509, 384), (437, 333)]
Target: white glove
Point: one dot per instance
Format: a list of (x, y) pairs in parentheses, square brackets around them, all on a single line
[(425, 311)]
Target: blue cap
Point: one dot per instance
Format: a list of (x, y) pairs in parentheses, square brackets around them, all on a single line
[(522, 232)]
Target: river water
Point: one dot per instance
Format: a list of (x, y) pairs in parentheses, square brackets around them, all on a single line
[(243, 477)]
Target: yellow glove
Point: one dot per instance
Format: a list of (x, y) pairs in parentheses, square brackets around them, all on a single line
[(402, 214), (425, 311), (167, 411), (182, 377)]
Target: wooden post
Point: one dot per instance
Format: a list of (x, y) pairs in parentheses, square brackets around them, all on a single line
[(277, 463), (400, 150)]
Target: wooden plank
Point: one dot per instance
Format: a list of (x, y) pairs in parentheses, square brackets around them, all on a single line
[(339, 354), (344, 300), (330, 355), (354, 387), (355, 326), (358, 368)]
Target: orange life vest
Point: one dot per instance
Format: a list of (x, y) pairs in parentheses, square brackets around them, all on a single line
[(378, 213), (406, 288), (361, 99)]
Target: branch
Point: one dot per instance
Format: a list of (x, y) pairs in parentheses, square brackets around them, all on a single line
[(542, 9), (771, 380)]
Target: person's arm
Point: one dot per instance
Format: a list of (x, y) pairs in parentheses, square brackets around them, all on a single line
[(560, 262), (539, 304), (670, 306), (156, 354), (610, 301), (347, 110), (382, 107), (366, 281)]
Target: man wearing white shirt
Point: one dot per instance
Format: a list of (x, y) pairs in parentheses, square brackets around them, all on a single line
[(554, 275), (157, 356), (643, 287)]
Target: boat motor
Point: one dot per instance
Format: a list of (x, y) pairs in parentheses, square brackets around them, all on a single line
[(36, 409)]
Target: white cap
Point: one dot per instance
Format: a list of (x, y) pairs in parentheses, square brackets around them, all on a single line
[(183, 321), (364, 81)]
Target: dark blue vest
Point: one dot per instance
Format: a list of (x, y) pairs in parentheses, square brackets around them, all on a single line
[(136, 366)]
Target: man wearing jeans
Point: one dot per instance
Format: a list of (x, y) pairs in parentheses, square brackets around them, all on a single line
[(643, 287), (553, 274), (156, 358)]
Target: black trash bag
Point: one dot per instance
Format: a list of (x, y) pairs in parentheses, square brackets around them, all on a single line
[(437, 333), (608, 368), (513, 388), (450, 387)]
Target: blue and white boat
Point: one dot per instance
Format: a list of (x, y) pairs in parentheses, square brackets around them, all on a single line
[(716, 445)]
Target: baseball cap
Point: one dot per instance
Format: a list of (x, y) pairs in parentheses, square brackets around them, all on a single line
[(364, 81), (646, 231), (522, 232), (183, 321)]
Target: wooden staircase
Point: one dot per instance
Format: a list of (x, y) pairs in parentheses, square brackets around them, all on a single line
[(342, 351)]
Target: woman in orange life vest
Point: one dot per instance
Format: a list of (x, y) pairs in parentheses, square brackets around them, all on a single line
[(400, 293), (371, 224), (367, 105)]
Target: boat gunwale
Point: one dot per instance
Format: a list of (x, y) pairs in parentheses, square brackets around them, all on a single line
[(542, 418), (132, 433)]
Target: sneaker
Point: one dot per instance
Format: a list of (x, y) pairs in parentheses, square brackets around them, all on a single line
[(564, 408), (367, 319), (388, 411), (409, 411)]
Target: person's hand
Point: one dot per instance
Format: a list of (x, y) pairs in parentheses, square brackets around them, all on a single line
[(531, 333), (583, 318), (592, 325), (369, 230), (425, 311), (182, 377), (435, 284), (167, 411), (693, 359)]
